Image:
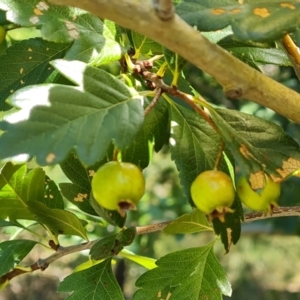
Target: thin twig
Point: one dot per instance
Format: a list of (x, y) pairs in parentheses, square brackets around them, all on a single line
[(43, 264), (281, 211), (154, 101)]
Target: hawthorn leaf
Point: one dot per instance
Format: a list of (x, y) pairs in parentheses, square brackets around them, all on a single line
[(143, 45), (111, 216), (189, 274), (257, 146), (54, 118), (4, 223), (30, 65), (93, 41), (194, 145), (146, 262), (195, 221), (52, 197), (78, 192), (155, 129), (12, 252), (113, 244), (260, 22), (95, 283), (17, 187), (59, 221), (78, 196), (230, 228)]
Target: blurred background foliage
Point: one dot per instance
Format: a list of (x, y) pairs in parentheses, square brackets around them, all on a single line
[(263, 265)]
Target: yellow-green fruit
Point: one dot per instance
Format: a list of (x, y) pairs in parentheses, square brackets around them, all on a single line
[(212, 190), (263, 200), (2, 34), (118, 186)]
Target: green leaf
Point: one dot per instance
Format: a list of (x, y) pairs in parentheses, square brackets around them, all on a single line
[(194, 145), (144, 45), (94, 41), (188, 274), (4, 223), (56, 118), (175, 63), (111, 216), (255, 55), (112, 245), (146, 262), (12, 252), (77, 196), (59, 221), (257, 145), (193, 222), (97, 282), (264, 21), (30, 65), (52, 197), (155, 127), (76, 172), (17, 188), (230, 229), (78, 192)]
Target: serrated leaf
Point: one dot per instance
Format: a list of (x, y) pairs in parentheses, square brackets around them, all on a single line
[(195, 221), (194, 145), (30, 65), (76, 172), (175, 63), (111, 216), (4, 223), (257, 144), (94, 42), (189, 274), (230, 229), (78, 196), (144, 45), (78, 192), (52, 196), (146, 262), (112, 245), (254, 55), (17, 187), (56, 118), (155, 128), (97, 282), (260, 22), (59, 221), (12, 252)]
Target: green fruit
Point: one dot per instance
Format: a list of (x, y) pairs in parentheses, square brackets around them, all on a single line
[(2, 34), (212, 190), (264, 200), (118, 186)]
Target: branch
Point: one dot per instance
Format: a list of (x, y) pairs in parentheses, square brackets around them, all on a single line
[(288, 211), (238, 79), (164, 9), (43, 264)]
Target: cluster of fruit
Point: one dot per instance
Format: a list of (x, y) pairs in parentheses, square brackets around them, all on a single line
[(120, 186)]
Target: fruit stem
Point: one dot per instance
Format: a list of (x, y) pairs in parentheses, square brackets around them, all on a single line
[(115, 154), (219, 156)]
